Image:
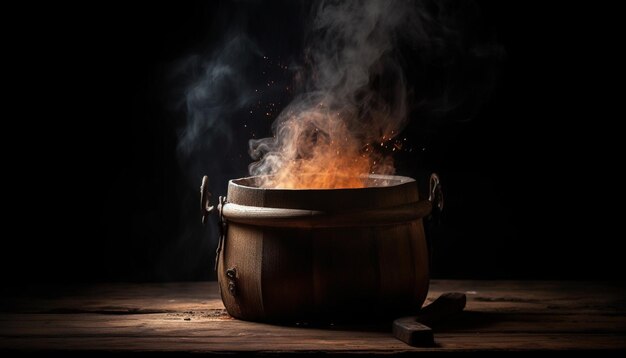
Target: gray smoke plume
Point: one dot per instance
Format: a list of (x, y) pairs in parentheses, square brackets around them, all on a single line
[(354, 95), (218, 93)]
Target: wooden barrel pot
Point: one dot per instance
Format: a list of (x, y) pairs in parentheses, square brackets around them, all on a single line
[(323, 254)]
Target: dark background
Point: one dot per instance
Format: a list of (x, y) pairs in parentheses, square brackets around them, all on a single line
[(96, 190)]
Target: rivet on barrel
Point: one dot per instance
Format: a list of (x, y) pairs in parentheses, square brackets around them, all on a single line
[(231, 273), (232, 288)]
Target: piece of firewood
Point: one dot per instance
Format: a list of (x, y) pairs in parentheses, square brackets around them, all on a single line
[(413, 330)]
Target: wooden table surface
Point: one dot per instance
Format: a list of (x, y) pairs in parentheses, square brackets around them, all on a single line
[(190, 317)]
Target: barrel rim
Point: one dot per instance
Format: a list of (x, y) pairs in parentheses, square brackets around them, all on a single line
[(401, 180)]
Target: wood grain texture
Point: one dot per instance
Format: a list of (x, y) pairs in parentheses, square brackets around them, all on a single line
[(190, 317)]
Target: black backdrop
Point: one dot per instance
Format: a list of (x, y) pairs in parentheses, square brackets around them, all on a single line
[(101, 195)]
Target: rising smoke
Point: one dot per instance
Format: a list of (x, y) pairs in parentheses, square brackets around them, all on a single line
[(354, 96), (219, 91)]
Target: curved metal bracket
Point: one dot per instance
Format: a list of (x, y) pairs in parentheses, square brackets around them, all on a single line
[(206, 208), (205, 200), (435, 195)]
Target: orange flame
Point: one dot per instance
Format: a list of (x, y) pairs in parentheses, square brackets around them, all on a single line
[(329, 167)]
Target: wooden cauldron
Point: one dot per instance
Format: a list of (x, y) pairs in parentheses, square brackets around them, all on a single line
[(323, 254)]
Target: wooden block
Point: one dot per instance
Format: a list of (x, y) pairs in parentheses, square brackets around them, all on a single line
[(413, 333), (413, 330)]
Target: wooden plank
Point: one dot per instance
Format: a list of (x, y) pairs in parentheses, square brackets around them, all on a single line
[(504, 315), (204, 323), (355, 344), (118, 297), (508, 296)]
